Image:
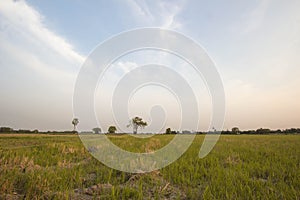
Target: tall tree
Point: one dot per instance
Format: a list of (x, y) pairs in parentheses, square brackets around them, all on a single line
[(75, 122), (135, 123)]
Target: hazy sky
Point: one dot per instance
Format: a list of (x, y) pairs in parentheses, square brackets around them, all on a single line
[(255, 45)]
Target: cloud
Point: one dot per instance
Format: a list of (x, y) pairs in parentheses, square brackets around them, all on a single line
[(140, 9), (169, 14), (255, 18), (18, 16), (161, 14), (126, 66), (28, 43), (37, 65)]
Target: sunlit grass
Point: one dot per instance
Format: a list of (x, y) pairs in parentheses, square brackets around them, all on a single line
[(239, 167)]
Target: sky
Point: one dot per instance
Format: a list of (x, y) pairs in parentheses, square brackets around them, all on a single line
[(254, 44)]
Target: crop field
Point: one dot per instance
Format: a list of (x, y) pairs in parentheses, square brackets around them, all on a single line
[(34, 166)]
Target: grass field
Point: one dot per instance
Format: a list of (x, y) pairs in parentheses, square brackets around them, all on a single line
[(239, 167)]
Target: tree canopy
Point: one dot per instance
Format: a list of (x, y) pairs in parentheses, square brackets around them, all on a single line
[(135, 123), (75, 122), (97, 130), (112, 129)]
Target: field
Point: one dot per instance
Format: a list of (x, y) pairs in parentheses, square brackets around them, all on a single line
[(239, 167)]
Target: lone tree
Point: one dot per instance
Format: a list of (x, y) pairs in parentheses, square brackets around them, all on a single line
[(75, 122), (168, 131), (135, 123), (112, 129), (235, 130), (97, 130)]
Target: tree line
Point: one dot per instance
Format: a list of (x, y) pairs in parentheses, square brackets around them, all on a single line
[(138, 123), (35, 131), (113, 130)]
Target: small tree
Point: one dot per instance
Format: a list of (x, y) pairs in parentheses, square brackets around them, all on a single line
[(135, 123), (75, 122), (168, 131), (112, 129), (235, 130), (97, 130)]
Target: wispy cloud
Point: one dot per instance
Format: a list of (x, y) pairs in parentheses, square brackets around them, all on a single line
[(141, 9), (161, 13), (23, 26), (169, 13), (255, 18), (41, 66)]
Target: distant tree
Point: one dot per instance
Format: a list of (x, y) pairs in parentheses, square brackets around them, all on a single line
[(226, 132), (168, 131), (35, 131), (291, 130), (186, 132), (277, 131), (6, 129), (249, 132), (97, 130), (263, 131), (112, 129), (23, 131), (136, 123), (75, 122), (235, 130)]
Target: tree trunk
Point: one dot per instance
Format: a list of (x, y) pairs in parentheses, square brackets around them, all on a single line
[(135, 129)]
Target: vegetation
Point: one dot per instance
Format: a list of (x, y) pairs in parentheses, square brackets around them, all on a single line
[(168, 131), (235, 130), (135, 123), (97, 130), (35, 166), (112, 129), (75, 122)]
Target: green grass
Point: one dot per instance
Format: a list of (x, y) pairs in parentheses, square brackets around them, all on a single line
[(239, 167)]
